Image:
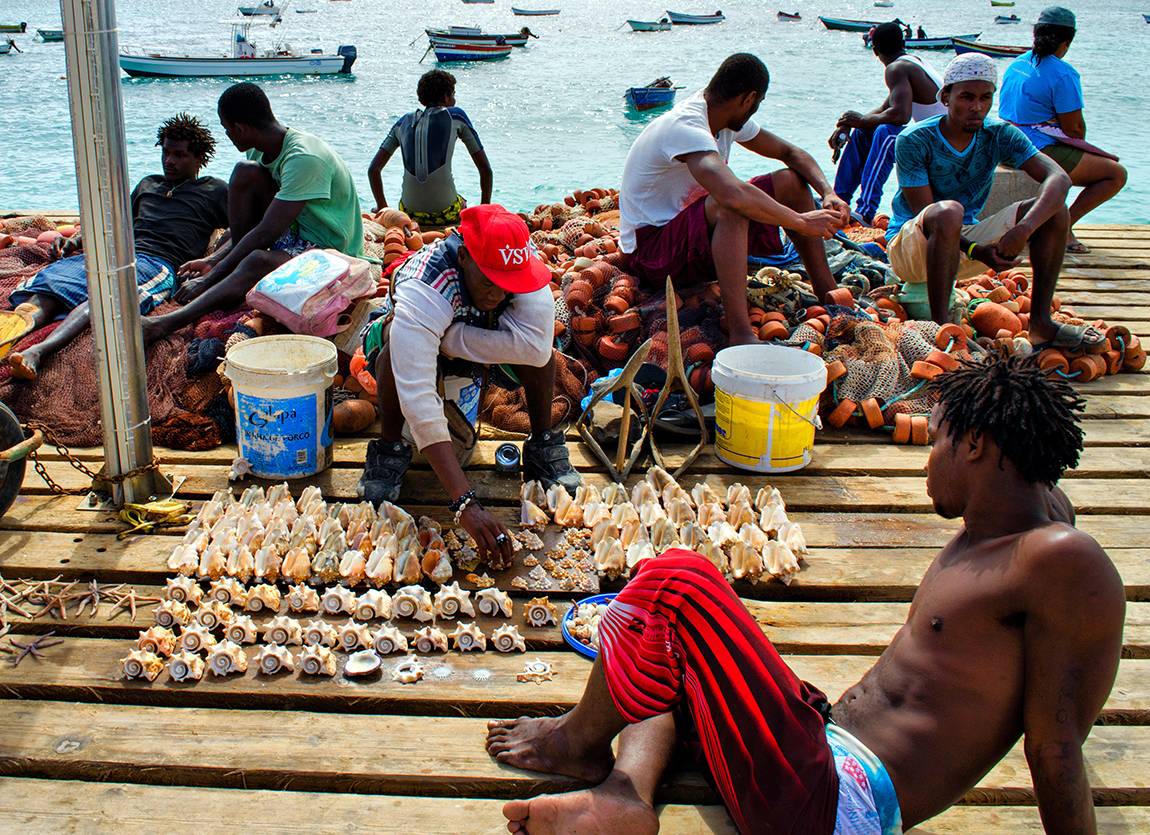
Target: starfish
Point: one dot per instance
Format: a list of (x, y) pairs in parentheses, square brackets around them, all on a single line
[(57, 602), (31, 648), (93, 597), (129, 600)]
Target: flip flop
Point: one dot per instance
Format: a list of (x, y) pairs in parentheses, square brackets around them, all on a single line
[(14, 326), (1077, 248), (1085, 338)]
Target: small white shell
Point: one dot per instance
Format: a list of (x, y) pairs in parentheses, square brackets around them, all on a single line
[(373, 605), (361, 663), (451, 601), (263, 598), (301, 598), (283, 630), (226, 658), (388, 639), (157, 639), (494, 603), (408, 671), (469, 638), (337, 600), (540, 611), (197, 638), (272, 659), (537, 670), (316, 661), (242, 630), (430, 639), (186, 666), (506, 638), (319, 632), (213, 615), (184, 589), (353, 636), (229, 591), (141, 664), (172, 613), (413, 602)]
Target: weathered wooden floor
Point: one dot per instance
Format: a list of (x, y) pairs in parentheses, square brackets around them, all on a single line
[(81, 751)]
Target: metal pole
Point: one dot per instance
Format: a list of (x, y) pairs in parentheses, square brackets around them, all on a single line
[(92, 51)]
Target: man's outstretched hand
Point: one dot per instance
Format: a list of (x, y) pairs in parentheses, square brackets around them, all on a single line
[(191, 290), (836, 204), (195, 269)]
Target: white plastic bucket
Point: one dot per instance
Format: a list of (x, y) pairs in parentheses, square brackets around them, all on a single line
[(766, 405), (283, 399)]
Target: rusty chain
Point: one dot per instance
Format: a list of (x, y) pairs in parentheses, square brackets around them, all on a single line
[(77, 464)]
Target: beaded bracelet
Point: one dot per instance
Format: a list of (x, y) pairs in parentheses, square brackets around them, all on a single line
[(462, 503)]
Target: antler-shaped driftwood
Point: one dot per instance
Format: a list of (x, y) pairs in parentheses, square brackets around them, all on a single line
[(677, 373)]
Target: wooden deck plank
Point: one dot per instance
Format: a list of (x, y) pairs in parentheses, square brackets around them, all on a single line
[(308, 751), (87, 670)]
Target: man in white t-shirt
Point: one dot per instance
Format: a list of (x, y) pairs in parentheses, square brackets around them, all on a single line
[(687, 216)]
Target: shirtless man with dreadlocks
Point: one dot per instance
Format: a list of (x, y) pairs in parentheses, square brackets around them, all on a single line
[(173, 217), (1015, 631)]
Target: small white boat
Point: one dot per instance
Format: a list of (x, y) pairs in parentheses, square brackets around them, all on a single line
[(884, 4), (246, 60), (6, 47), (268, 7), (534, 12)]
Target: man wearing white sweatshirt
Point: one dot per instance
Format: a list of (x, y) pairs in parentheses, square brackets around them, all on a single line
[(480, 295)]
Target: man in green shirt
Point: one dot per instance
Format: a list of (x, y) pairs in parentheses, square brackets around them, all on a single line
[(293, 194)]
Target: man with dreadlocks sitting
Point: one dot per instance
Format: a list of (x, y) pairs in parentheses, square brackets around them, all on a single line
[(173, 217), (1015, 631)]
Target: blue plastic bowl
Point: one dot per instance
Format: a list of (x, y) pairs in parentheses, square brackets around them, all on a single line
[(568, 618)]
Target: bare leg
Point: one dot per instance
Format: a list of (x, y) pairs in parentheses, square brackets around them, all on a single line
[(251, 190), (576, 744), (1047, 249), (793, 192), (229, 292), (1101, 178), (387, 396), (729, 231), (26, 364), (942, 225), (539, 391), (624, 802)]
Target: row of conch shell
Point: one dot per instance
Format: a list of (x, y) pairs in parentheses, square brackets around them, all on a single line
[(451, 601), (269, 537), (494, 603), (468, 637)]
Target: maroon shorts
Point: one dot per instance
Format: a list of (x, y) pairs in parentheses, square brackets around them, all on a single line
[(681, 248)]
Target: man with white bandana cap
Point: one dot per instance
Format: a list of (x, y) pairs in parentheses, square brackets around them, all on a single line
[(945, 168)]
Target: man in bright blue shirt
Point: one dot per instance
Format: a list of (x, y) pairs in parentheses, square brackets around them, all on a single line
[(1042, 95), (945, 171)]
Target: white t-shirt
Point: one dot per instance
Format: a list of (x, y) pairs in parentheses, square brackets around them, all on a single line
[(656, 186)]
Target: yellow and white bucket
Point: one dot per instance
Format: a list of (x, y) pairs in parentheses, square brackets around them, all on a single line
[(766, 406)]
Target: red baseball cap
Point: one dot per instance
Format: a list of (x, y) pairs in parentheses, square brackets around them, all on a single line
[(502, 247)]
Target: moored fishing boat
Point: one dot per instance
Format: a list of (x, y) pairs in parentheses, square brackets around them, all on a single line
[(1002, 18), (268, 8), (6, 46), (884, 4), (680, 19), (14, 28), (50, 35), (789, 16), (534, 12), (838, 24), (661, 25), (466, 35), (445, 53), (659, 93), (246, 60), (962, 46), (1002, 3), (933, 43)]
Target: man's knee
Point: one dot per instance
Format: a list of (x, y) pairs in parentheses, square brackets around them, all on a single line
[(248, 175), (1120, 175), (944, 217)]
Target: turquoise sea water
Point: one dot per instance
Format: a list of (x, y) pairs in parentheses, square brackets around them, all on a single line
[(552, 115)]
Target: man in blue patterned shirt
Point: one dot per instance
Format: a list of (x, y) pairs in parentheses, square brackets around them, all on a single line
[(945, 171)]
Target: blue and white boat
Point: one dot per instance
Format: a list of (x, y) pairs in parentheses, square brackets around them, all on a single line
[(447, 53), (534, 12), (661, 25), (680, 19), (659, 93)]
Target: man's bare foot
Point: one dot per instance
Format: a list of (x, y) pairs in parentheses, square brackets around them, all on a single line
[(153, 329), (613, 806), (24, 364), (547, 744)]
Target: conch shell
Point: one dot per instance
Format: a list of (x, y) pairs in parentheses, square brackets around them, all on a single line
[(664, 534), (722, 533), (268, 563), (540, 611), (451, 601), (738, 493), (274, 658), (660, 479), (226, 658), (319, 632), (536, 670), (362, 663), (693, 536), (229, 591), (715, 555), (703, 493), (413, 602), (302, 598), (567, 513), (437, 565), (639, 551), (740, 513), (408, 671), (746, 561), (241, 564), (373, 605), (791, 535), (185, 559), (242, 630), (621, 514), (214, 615), (780, 561), (337, 600), (316, 660), (381, 562), (185, 590), (710, 513), (141, 664), (643, 494), (296, 565), (494, 603), (532, 515), (214, 560), (506, 638), (408, 568), (753, 536), (157, 640), (469, 638), (604, 529), (172, 613), (353, 567), (650, 512), (430, 639), (532, 491), (263, 598), (614, 494), (353, 636), (196, 638), (772, 519), (610, 559), (680, 512), (768, 496), (388, 639), (185, 666), (594, 513), (283, 630)]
